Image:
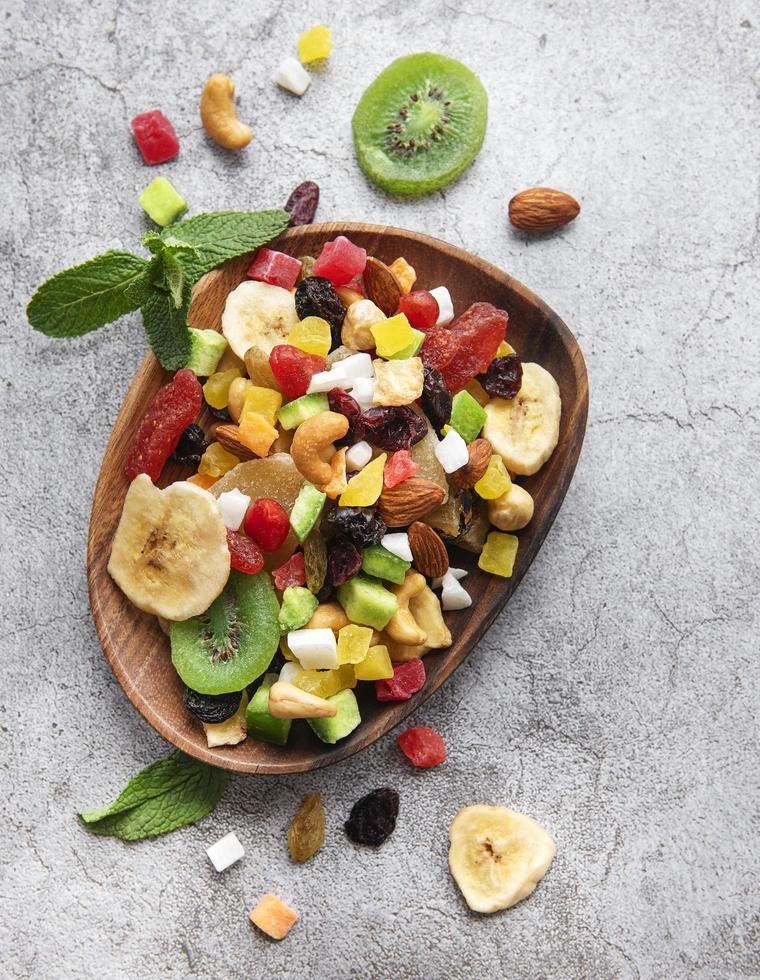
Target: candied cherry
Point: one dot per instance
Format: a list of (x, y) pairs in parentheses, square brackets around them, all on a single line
[(155, 137), (420, 307), (273, 267), (340, 261), (267, 523), (422, 746), (293, 572), (294, 369), (173, 408), (398, 468), (245, 555)]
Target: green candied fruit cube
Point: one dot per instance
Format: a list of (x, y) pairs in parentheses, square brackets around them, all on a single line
[(162, 202), (298, 606), (206, 349), (413, 349), (261, 724), (306, 510), (380, 563), (467, 416)]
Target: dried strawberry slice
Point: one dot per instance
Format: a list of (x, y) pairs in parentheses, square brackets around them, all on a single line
[(439, 348), (294, 369), (479, 330), (170, 412)]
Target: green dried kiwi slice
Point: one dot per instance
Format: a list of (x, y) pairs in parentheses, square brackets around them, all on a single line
[(420, 123)]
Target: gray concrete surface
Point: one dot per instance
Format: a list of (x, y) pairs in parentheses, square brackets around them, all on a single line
[(616, 698)]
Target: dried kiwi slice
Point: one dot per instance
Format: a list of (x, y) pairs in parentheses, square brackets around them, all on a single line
[(420, 123)]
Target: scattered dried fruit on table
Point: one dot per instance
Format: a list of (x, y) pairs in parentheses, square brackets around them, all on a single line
[(169, 413), (306, 833), (373, 817), (290, 75), (155, 137), (422, 746), (273, 917), (225, 852), (302, 206), (162, 202), (315, 44), (541, 209)]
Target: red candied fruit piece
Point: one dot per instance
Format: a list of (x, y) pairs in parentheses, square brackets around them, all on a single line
[(420, 308), (293, 572), (173, 408), (245, 555), (408, 678), (439, 348), (267, 522), (273, 267), (357, 284), (340, 261), (422, 746), (479, 330), (155, 137), (294, 369), (399, 468)]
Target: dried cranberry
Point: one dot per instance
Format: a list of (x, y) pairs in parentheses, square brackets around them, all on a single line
[(343, 560), (364, 526), (267, 523), (340, 401), (294, 369), (373, 818), (302, 203), (422, 746), (408, 678), (316, 296), (191, 446), (245, 555), (393, 428), (479, 330), (436, 398), (503, 379), (170, 412)]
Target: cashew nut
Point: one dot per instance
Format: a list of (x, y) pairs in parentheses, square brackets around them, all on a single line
[(288, 701), (512, 510), (426, 609), (398, 652), (402, 626), (312, 447), (338, 481), (328, 615), (355, 332), (236, 397), (218, 114)]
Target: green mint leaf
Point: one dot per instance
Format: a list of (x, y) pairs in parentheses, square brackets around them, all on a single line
[(153, 241), (171, 793), (174, 278), (166, 326), (223, 235), (90, 295)]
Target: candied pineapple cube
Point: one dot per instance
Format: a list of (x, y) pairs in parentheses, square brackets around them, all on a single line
[(315, 44), (353, 643), (398, 382), (495, 481), (364, 488), (261, 401), (312, 335), (256, 433), (216, 388), (273, 917), (392, 335), (499, 553), (216, 461), (376, 666), (404, 273)]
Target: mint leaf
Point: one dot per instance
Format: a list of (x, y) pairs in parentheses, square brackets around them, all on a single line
[(168, 794), (90, 295), (174, 278), (166, 327), (223, 235)]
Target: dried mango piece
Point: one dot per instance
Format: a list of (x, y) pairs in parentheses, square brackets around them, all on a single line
[(273, 917), (364, 489), (256, 434)]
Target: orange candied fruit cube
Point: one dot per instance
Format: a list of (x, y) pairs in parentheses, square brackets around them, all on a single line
[(202, 480), (273, 917), (256, 433), (404, 273)]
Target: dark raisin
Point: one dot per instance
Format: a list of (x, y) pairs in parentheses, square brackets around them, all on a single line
[(340, 401), (436, 398), (220, 413), (373, 817), (327, 591), (302, 203), (212, 708), (316, 296), (393, 428), (343, 560), (364, 526), (503, 379), (191, 446)]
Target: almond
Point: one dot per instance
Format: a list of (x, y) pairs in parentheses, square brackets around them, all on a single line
[(381, 286), (542, 209), (410, 500), (227, 435), (480, 452), (429, 552)]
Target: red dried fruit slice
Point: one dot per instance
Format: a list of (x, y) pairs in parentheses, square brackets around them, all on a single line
[(170, 412), (479, 330), (294, 369), (439, 348), (408, 678), (245, 555), (422, 746), (274, 267), (293, 572), (420, 308), (267, 522), (399, 467), (155, 137)]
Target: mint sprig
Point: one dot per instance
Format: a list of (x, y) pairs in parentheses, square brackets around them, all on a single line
[(171, 793), (89, 295)]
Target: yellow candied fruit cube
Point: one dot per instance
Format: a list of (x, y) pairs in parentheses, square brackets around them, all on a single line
[(312, 335), (478, 392), (495, 481), (499, 553), (364, 488), (325, 683), (216, 461), (405, 275), (256, 434), (265, 402), (216, 388), (376, 666), (315, 44), (392, 335), (503, 349), (353, 643)]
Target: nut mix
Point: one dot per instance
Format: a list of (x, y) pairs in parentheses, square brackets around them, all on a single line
[(366, 432)]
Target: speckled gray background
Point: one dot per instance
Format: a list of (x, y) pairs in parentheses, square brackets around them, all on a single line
[(616, 698)]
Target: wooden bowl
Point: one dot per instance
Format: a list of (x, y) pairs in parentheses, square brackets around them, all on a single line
[(134, 644)]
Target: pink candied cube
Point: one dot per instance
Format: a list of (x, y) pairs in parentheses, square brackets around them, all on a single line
[(399, 467), (155, 137), (340, 261), (273, 267), (408, 678)]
